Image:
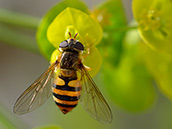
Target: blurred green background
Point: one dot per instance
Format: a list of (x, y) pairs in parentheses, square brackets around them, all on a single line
[(19, 68)]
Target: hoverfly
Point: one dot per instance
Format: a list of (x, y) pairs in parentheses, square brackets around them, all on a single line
[(67, 88)]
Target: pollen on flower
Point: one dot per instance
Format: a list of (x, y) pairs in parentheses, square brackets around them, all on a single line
[(150, 19)]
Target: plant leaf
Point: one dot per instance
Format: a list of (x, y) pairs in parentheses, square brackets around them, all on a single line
[(130, 84), (160, 65), (112, 18)]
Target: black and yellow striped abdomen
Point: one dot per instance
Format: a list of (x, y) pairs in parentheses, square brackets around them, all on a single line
[(66, 92)]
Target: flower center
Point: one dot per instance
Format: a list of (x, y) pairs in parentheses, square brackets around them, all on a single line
[(150, 20)]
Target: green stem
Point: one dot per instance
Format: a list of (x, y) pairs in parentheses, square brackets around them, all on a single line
[(17, 19), (18, 39), (125, 28)]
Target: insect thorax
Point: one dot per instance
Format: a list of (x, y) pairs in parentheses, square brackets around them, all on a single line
[(69, 61)]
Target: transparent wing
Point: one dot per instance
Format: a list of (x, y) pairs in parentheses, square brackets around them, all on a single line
[(92, 100), (36, 94)]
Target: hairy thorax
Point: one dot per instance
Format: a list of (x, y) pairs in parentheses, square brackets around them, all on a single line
[(69, 62)]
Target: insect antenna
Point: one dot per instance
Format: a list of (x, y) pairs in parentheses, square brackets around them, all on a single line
[(75, 35), (70, 35)]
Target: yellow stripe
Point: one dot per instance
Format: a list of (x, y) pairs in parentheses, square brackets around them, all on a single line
[(64, 92), (74, 83), (58, 81)]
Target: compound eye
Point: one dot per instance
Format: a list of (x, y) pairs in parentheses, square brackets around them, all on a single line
[(63, 44), (79, 46)]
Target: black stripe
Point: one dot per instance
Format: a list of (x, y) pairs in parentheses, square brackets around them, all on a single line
[(65, 97), (68, 79), (65, 105), (66, 87)]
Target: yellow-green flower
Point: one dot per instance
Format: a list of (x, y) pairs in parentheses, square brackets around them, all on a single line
[(155, 23)]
